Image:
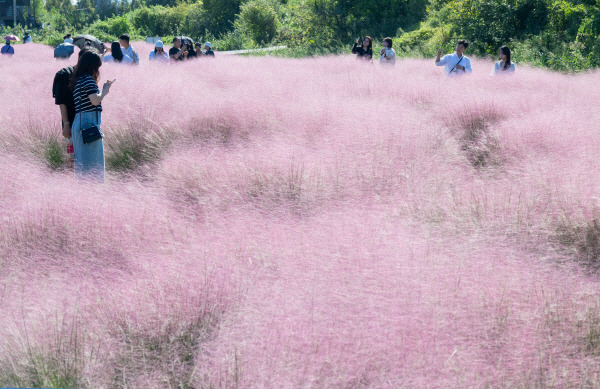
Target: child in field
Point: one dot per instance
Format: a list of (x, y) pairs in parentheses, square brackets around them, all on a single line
[(388, 54), (455, 63)]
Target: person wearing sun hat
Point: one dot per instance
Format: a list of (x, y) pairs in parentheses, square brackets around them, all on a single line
[(208, 48), (159, 53)]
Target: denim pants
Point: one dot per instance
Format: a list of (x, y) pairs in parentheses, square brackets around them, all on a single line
[(89, 159)]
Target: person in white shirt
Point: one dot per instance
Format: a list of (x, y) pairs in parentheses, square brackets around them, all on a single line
[(456, 63), (505, 65), (116, 55), (129, 50), (158, 54), (387, 54)]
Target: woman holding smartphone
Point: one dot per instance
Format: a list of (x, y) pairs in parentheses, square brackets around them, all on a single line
[(365, 50), (89, 156)]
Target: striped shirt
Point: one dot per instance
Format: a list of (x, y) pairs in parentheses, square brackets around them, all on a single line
[(84, 87)]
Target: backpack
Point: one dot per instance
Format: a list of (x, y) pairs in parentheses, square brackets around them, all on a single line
[(7, 50)]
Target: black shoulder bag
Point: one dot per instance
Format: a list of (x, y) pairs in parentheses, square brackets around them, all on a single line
[(91, 133)]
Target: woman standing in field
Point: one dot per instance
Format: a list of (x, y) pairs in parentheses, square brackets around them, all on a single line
[(89, 152), (365, 50), (116, 54), (505, 65)]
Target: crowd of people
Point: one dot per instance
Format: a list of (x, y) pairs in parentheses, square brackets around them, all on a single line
[(455, 63), (76, 92)]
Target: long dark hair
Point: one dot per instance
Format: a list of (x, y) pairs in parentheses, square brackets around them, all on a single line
[(370, 47), (115, 49), (89, 64), (506, 51)]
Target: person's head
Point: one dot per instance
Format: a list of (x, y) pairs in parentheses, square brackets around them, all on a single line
[(8, 42), (177, 42), (124, 40), (461, 46), (85, 50), (67, 36), (117, 53), (158, 47), (387, 43), (89, 64), (367, 43), (504, 54), (207, 46), (26, 33)]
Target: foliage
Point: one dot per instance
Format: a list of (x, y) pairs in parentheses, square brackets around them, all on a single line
[(259, 20)]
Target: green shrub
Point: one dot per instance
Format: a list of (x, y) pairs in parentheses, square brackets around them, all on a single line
[(259, 20)]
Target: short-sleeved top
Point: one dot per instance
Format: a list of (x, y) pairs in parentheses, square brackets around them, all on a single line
[(209, 52), (7, 49), (84, 87), (62, 93), (173, 51)]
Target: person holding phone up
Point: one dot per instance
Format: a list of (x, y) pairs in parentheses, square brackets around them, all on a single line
[(365, 50), (85, 130), (456, 63), (178, 52), (387, 54)]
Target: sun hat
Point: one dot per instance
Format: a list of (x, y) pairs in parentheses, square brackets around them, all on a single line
[(207, 44), (158, 44)]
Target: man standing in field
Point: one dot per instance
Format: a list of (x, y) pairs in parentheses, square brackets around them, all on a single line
[(178, 52), (129, 50), (455, 63)]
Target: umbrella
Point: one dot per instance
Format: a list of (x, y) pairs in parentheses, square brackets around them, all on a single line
[(80, 41), (187, 40), (11, 38)]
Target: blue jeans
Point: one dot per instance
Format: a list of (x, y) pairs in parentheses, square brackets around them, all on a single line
[(89, 159)]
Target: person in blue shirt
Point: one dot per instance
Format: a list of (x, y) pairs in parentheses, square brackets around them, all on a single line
[(26, 38), (7, 49), (456, 63)]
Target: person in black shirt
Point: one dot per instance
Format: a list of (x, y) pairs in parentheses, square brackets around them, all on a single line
[(209, 51), (364, 51), (178, 52), (63, 96)]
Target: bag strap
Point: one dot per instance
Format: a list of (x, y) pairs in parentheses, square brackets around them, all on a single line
[(458, 63)]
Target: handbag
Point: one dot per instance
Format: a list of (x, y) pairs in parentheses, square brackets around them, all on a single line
[(91, 133)]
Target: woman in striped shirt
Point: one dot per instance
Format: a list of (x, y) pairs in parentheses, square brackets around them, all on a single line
[(89, 158)]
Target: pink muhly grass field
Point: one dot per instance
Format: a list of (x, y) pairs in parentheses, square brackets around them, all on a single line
[(303, 223)]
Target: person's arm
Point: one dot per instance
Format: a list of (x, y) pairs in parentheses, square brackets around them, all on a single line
[(64, 114), (96, 98), (467, 67), (442, 61)]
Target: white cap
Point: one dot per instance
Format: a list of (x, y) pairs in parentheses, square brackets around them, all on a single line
[(207, 44), (68, 40), (158, 44)]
